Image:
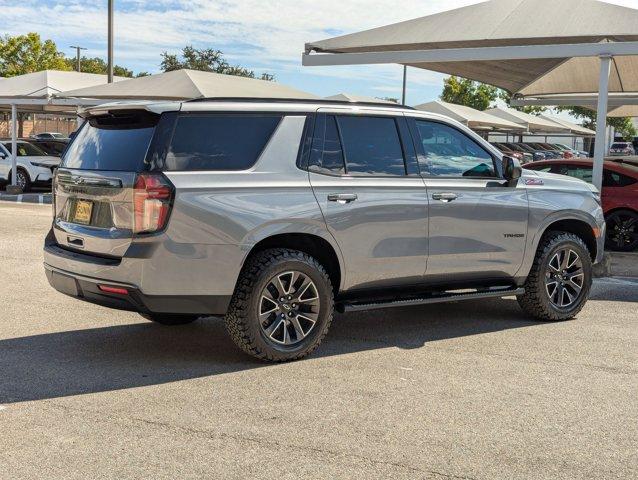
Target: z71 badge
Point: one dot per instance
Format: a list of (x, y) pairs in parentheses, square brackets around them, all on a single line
[(534, 181)]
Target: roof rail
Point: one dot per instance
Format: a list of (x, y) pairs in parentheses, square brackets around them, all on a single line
[(298, 100)]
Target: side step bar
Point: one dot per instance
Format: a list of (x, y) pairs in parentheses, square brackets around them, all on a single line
[(435, 297)]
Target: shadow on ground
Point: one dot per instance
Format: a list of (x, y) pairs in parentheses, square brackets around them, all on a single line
[(140, 354)]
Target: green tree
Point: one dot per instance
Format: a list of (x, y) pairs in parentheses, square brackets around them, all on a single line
[(462, 91), (206, 60), (623, 125), (27, 54), (480, 96), (97, 65), (24, 54)]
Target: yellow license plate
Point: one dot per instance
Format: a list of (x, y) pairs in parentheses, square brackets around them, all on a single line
[(83, 210)]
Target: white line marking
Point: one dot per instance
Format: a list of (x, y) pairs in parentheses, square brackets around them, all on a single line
[(2, 407), (406, 369), (40, 199), (617, 281), (19, 199)]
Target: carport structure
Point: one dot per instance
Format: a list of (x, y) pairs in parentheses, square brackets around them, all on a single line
[(526, 47), (34, 92), (472, 118)]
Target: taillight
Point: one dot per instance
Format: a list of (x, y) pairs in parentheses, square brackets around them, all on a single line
[(152, 198)]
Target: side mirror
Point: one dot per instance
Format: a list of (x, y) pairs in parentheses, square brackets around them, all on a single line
[(512, 170)]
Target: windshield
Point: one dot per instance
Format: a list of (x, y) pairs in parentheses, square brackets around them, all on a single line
[(26, 150), (620, 145), (112, 142)]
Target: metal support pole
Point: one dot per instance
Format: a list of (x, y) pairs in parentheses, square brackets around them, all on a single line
[(601, 121), (405, 81), (14, 143), (110, 42)]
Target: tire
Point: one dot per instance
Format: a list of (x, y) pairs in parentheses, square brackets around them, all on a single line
[(169, 319), (23, 178), (622, 231), (262, 333), (540, 300)]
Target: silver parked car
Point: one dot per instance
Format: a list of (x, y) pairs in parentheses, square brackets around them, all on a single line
[(274, 213)]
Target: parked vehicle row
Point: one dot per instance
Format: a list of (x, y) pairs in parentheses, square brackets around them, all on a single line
[(532, 151), (619, 195), (622, 148)]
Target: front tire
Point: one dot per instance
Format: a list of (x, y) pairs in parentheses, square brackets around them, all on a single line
[(622, 231), (559, 282), (282, 306), (22, 180), (170, 319)]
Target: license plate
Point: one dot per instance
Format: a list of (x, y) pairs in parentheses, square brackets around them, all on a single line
[(83, 210)]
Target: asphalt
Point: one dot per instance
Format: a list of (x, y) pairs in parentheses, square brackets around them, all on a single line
[(459, 391)]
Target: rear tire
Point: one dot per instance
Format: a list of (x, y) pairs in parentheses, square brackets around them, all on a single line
[(170, 319), (559, 282), (282, 306)]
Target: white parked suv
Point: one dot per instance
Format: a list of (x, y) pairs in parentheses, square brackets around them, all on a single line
[(34, 166)]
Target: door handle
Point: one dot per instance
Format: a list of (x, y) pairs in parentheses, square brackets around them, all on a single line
[(342, 197), (445, 196)]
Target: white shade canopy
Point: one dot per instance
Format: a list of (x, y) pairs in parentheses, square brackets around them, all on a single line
[(348, 97), (474, 119), (187, 85), (575, 129), (503, 23), (36, 91), (530, 123), (624, 111)]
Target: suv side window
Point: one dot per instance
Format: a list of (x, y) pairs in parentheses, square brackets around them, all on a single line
[(371, 146), (451, 153), (219, 141)]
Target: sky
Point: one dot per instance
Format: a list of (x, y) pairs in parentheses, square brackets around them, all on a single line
[(263, 35)]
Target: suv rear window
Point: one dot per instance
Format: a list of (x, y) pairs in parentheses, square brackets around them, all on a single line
[(219, 141), (116, 142)]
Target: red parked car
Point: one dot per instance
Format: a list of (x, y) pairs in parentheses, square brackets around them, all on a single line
[(619, 196)]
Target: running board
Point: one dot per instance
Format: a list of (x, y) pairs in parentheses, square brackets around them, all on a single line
[(437, 297)]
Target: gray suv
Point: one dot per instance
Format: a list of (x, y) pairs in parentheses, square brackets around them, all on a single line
[(275, 213)]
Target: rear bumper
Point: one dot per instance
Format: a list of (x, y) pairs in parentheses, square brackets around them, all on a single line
[(87, 289)]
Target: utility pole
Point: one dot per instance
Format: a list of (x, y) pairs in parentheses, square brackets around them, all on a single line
[(77, 50), (110, 46)]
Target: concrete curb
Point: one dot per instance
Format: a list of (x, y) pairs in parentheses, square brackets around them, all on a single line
[(37, 198)]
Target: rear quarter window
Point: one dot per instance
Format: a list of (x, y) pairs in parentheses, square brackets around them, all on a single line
[(219, 141)]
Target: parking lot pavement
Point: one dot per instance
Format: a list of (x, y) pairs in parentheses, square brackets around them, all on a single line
[(457, 391)]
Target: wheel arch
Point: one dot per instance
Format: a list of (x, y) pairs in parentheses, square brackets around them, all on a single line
[(312, 244), (577, 226)]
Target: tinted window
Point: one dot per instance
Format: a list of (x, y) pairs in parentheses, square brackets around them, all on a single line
[(26, 149), (610, 178), (112, 142), (615, 179), (576, 171), (219, 142), (371, 146), (332, 157), (448, 152)]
